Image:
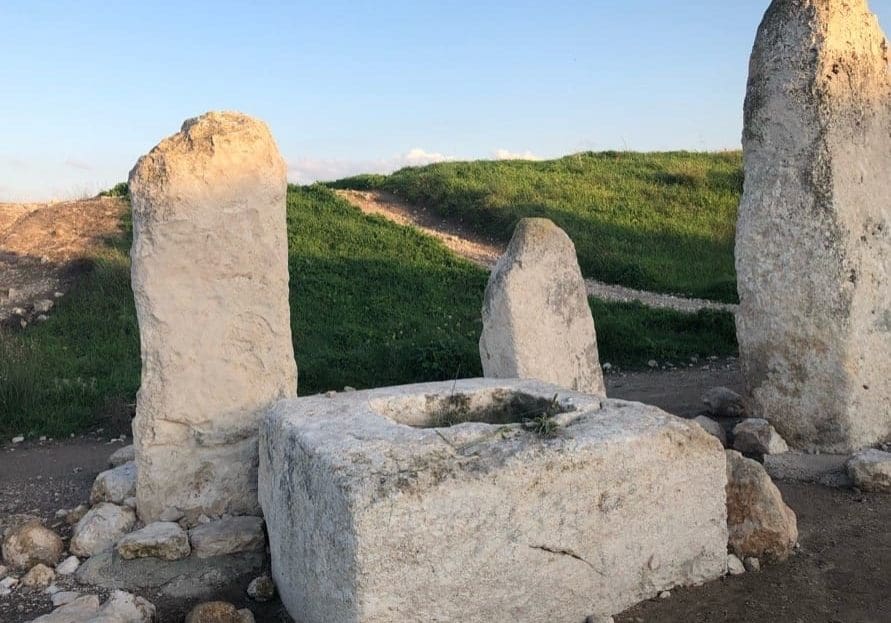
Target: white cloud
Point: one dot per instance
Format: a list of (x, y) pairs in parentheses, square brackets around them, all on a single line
[(418, 157), (308, 170), (504, 154)]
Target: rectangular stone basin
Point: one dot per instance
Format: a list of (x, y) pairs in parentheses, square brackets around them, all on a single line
[(485, 500)]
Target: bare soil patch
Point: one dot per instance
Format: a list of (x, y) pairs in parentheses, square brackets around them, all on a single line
[(43, 247)]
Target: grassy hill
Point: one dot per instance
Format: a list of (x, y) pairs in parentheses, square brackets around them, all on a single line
[(373, 303), (656, 221)]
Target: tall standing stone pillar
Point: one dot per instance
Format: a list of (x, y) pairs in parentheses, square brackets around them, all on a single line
[(210, 279), (536, 320), (813, 247)]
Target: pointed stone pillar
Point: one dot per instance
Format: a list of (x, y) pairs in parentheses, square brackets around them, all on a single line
[(210, 279), (813, 247)]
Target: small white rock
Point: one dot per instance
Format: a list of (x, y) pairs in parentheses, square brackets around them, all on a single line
[(68, 566), (652, 363), (9, 581), (752, 564), (664, 594), (734, 565), (52, 589), (18, 439)]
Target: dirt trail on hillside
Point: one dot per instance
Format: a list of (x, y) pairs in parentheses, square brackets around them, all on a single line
[(44, 246), (485, 251)]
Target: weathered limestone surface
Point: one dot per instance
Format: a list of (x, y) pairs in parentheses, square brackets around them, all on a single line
[(101, 528), (871, 470), (536, 320), (210, 279), (759, 522), (27, 543), (188, 578), (374, 516), (813, 246), (114, 485), (228, 536), (163, 539)]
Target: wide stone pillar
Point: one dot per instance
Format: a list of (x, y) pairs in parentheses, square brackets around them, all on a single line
[(210, 279), (813, 247)]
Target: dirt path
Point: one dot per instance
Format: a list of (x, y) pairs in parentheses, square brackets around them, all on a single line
[(485, 252), (44, 246)]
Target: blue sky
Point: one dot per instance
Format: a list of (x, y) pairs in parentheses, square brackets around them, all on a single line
[(87, 87)]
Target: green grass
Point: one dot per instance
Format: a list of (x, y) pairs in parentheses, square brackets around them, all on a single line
[(373, 303), (657, 221)]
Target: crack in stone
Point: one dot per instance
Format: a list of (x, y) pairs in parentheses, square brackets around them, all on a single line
[(565, 552)]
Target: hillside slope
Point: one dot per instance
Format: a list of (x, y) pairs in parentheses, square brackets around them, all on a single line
[(655, 221)]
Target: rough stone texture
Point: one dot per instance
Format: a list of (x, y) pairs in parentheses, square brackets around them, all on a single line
[(536, 320), (209, 251), (757, 436), (724, 402), (871, 471), (40, 576), (218, 612), (813, 245), (228, 536), (189, 578), (29, 543), (261, 588), (68, 566), (373, 516), (712, 428), (163, 539), (76, 514), (114, 485), (81, 610), (64, 597), (759, 522), (101, 528), (734, 565), (122, 455)]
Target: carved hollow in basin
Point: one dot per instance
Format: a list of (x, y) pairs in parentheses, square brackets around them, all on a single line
[(499, 407)]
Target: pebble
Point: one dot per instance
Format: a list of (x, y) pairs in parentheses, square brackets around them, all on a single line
[(752, 564), (734, 565), (40, 576), (18, 439), (653, 363), (261, 588), (9, 581), (68, 566), (664, 594)]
